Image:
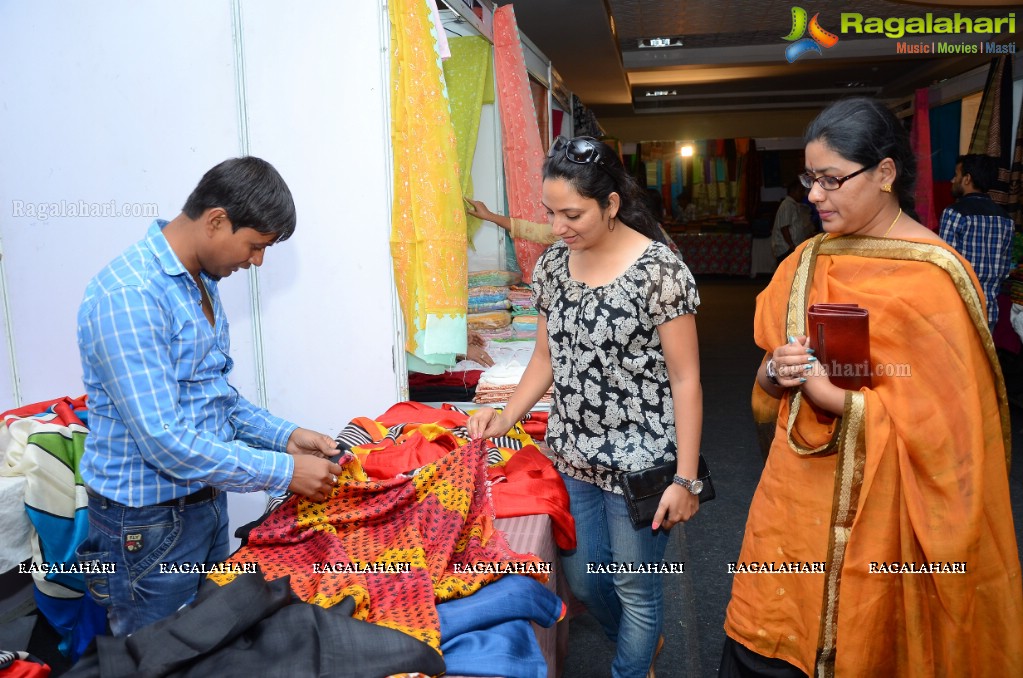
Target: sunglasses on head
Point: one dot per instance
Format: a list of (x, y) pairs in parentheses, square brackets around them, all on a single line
[(581, 150)]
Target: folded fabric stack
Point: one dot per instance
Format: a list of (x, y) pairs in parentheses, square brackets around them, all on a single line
[(488, 301), (493, 278), (524, 325), (498, 383), (524, 315)]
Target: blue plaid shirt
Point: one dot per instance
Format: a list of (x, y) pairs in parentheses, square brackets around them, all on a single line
[(164, 421), (981, 231)]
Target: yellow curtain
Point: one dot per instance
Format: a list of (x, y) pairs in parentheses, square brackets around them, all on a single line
[(428, 229)]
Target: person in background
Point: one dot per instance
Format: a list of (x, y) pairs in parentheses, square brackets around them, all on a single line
[(168, 432), (656, 204), (616, 337), (892, 501), (792, 223), (685, 208), (517, 228), (543, 233), (978, 228)]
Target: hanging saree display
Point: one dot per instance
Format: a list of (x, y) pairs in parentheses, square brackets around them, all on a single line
[(470, 83), (521, 147), (428, 236)]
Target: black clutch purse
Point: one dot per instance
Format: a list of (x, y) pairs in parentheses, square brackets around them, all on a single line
[(643, 489)]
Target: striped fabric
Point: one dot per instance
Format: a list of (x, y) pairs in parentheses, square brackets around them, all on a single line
[(44, 442)]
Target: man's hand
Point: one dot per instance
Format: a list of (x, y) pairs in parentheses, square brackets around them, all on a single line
[(314, 478), (304, 441)]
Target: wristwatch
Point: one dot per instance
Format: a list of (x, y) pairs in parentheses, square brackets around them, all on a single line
[(771, 372), (694, 486)]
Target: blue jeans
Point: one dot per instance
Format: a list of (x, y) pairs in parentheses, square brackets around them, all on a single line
[(135, 542), (629, 607)]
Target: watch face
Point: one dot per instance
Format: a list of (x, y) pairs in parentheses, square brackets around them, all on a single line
[(696, 486)]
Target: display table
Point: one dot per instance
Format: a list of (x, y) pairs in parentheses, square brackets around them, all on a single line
[(715, 253)]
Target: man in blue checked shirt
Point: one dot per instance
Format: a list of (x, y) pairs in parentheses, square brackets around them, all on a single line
[(168, 433), (979, 228)]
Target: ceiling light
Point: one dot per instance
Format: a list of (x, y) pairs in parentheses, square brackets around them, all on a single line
[(646, 43), (686, 151), (660, 93)]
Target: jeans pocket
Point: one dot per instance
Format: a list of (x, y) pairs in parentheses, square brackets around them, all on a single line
[(97, 567), (148, 538)]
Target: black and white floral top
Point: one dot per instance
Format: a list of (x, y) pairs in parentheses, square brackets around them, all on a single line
[(612, 408)]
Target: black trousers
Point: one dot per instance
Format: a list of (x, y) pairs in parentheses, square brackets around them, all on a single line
[(739, 662)]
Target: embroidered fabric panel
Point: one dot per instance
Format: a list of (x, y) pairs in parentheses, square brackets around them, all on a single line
[(428, 237), (523, 152), (470, 84)]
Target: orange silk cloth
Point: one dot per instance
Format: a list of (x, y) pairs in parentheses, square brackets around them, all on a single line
[(918, 475)]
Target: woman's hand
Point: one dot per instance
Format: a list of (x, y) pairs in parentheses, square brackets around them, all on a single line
[(476, 350), (793, 362), (798, 367), (478, 209), (487, 422), (677, 505)]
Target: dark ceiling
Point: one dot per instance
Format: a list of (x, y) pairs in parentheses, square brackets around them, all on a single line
[(733, 52)]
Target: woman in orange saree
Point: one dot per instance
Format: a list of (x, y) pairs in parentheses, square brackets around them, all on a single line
[(881, 532)]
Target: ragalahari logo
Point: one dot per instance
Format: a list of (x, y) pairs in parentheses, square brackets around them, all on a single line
[(800, 45)]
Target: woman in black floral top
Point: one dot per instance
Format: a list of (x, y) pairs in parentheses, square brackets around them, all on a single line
[(617, 338)]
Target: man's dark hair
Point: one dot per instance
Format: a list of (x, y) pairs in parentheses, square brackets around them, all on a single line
[(252, 193), (983, 170)]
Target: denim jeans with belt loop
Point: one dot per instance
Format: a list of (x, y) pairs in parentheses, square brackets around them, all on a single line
[(152, 556)]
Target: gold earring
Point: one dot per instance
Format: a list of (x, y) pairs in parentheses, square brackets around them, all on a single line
[(886, 188)]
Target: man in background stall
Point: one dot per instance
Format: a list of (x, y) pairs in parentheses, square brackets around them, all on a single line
[(792, 224), (978, 228)]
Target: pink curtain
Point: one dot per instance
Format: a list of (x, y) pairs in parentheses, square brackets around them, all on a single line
[(921, 140), (522, 150)]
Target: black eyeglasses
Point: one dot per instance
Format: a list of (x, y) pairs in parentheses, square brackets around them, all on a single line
[(580, 150), (830, 183)]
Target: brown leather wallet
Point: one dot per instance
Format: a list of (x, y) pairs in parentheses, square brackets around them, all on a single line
[(839, 335)]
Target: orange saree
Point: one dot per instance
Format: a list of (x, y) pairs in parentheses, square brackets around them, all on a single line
[(904, 499)]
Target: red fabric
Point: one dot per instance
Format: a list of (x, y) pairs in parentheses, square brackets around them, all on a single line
[(535, 424), (391, 459), (942, 197), (556, 117), (418, 413), (532, 485), (437, 523), (21, 668), (921, 142), (462, 378), (66, 407)]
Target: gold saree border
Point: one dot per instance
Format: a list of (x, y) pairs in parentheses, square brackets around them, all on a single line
[(910, 250), (795, 326), (850, 438), (852, 458)]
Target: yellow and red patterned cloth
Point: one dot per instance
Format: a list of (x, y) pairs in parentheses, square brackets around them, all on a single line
[(425, 526)]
